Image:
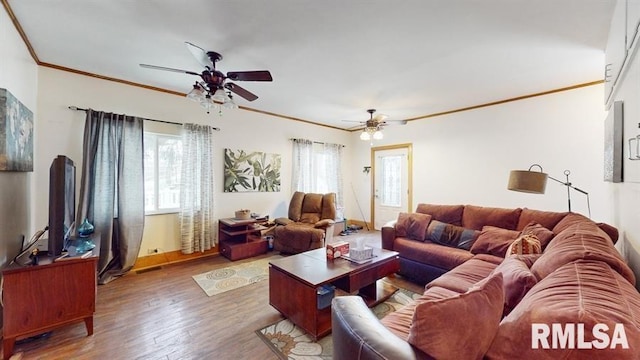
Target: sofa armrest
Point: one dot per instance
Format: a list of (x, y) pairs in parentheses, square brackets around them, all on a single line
[(358, 334), (324, 223), (283, 221), (388, 233)]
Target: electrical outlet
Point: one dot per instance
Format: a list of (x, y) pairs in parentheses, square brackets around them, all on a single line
[(152, 251)]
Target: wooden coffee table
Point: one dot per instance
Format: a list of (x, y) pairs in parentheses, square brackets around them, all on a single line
[(294, 280)]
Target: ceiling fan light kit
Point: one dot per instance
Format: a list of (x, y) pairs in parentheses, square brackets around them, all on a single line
[(214, 88), (371, 133)]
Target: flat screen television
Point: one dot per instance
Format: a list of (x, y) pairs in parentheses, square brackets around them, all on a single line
[(62, 203)]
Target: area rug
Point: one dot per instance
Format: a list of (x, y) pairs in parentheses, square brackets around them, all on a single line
[(220, 280), (290, 342)]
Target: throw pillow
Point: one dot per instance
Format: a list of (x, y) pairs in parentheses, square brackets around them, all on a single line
[(544, 235), (462, 326), (517, 280), (451, 235), (526, 244), (494, 240), (413, 226)]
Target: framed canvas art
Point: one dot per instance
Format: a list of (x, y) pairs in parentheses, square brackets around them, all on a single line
[(16, 134), (613, 143), (251, 171)]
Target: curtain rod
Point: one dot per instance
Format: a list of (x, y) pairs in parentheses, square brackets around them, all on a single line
[(316, 142), (160, 121)]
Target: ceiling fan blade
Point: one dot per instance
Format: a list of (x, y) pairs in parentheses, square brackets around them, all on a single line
[(240, 91), (393, 122), (200, 55), (355, 121), (380, 117), (258, 75), (154, 67)]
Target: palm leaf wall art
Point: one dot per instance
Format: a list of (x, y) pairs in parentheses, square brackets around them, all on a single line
[(251, 171)]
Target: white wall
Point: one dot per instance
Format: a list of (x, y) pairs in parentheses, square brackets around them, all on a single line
[(465, 157), (18, 74), (626, 195), (62, 129)]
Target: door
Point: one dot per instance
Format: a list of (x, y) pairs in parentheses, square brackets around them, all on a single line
[(391, 185)]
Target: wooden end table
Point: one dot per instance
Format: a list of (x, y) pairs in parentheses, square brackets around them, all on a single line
[(239, 239)]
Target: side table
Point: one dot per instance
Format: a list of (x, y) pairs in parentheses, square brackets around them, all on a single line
[(240, 239)]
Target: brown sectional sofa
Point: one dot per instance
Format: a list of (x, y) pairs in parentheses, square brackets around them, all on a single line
[(579, 283)]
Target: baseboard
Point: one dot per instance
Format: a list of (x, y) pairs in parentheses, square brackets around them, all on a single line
[(171, 257)]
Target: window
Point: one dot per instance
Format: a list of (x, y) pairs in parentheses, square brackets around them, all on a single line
[(320, 171), (316, 168), (391, 180), (162, 158)]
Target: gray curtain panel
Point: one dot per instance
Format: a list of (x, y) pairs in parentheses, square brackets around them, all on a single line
[(112, 189)]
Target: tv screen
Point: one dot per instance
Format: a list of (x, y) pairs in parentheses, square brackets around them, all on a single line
[(62, 203)]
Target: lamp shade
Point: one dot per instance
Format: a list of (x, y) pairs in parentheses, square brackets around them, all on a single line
[(196, 94), (533, 182)]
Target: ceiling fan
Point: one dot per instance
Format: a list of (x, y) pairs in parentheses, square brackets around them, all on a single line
[(213, 85), (373, 127)]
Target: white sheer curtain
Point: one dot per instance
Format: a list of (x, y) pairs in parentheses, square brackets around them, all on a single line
[(196, 189), (317, 168), (303, 179), (333, 167)]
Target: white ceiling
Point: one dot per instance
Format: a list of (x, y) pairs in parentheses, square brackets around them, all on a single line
[(333, 59)]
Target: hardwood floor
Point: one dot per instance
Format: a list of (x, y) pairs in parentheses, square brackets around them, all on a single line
[(163, 314)]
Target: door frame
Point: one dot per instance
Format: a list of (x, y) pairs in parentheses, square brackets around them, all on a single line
[(409, 147)]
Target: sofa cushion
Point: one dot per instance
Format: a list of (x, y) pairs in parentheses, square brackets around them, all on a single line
[(517, 280), (459, 327), (399, 322), (451, 235), (413, 225), (475, 217), (529, 260), (543, 234), (581, 292), (525, 244), (451, 214), (426, 252), (548, 219), (569, 220), (582, 240), (311, 208), (489, 258), (463, 277), (298, 237), (610, 230), (494, 240)]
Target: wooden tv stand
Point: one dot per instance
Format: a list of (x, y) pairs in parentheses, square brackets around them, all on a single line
[(40, 298)]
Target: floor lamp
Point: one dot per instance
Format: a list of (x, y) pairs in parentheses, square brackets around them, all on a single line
[(535, 182)]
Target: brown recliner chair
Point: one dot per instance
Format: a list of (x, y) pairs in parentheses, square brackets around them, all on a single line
[(309, 225)]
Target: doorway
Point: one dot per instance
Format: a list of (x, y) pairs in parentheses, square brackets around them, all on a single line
[(391, 183)]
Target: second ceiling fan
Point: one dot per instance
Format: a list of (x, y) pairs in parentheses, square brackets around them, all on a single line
[(373, 127)]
